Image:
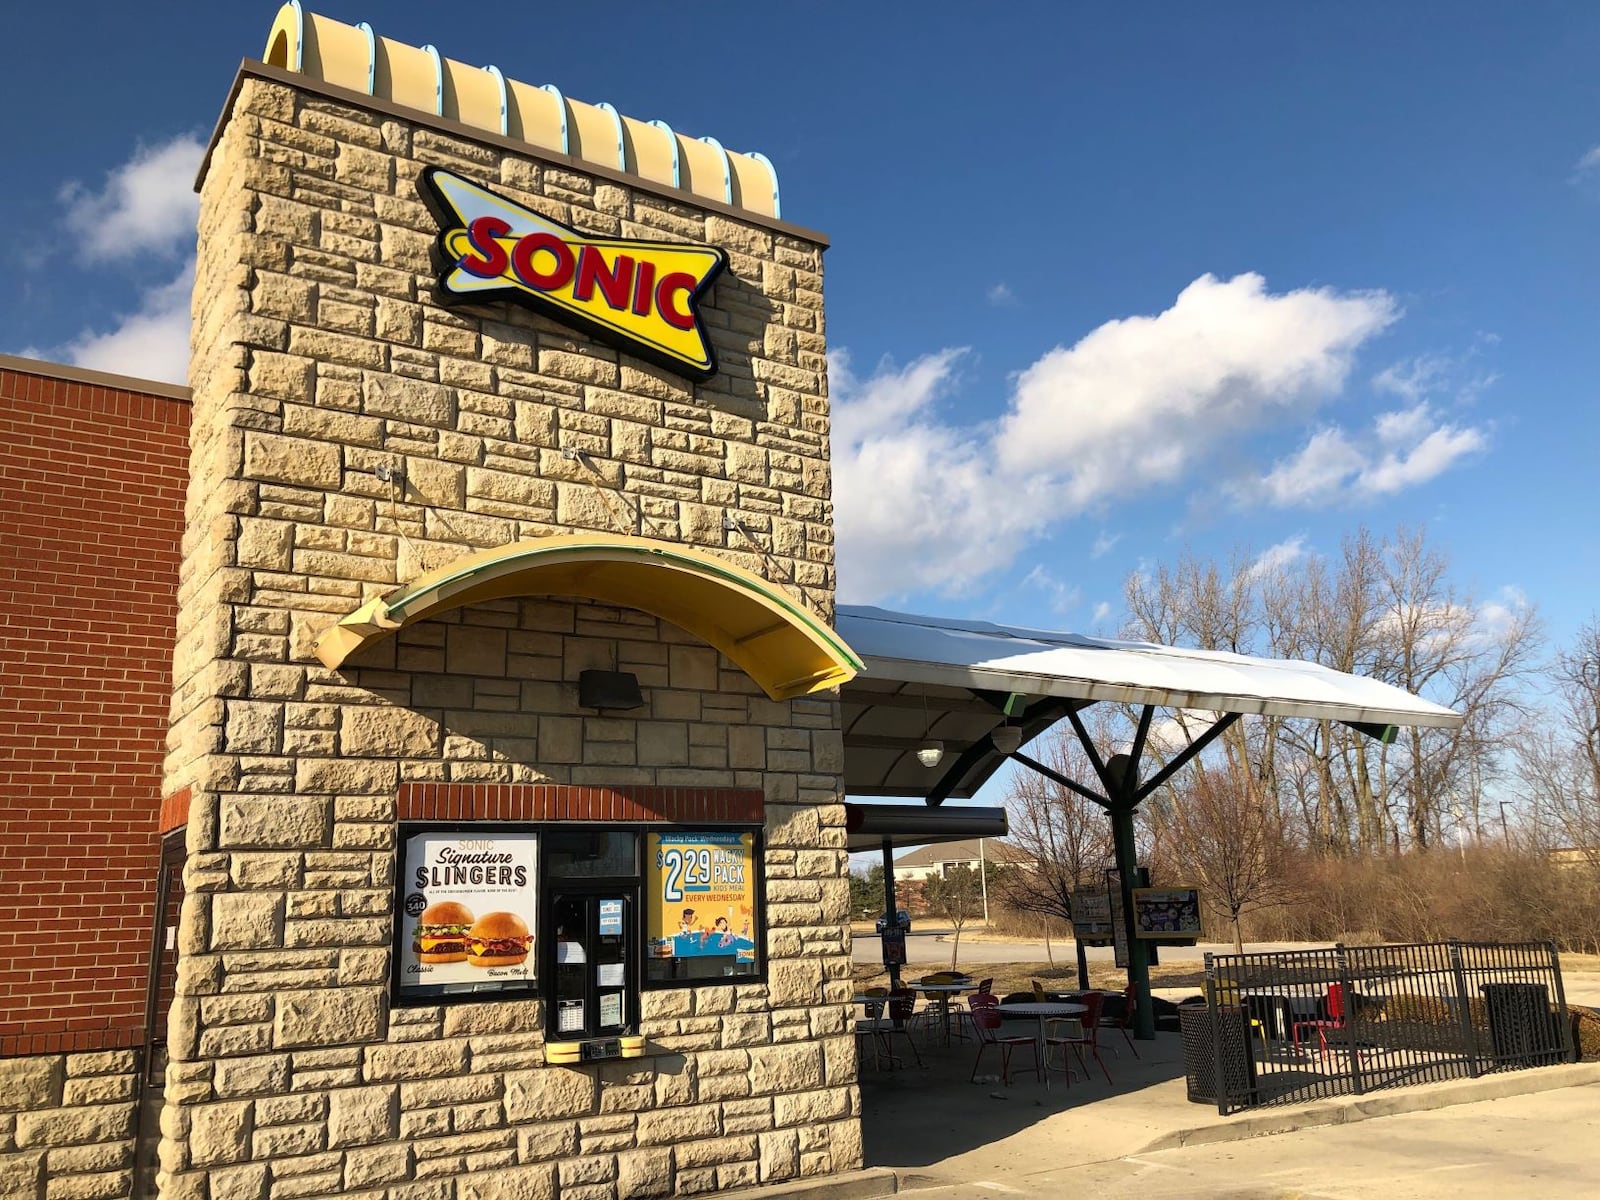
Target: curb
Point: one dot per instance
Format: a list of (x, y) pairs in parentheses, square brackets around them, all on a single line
[(867, 1184), (1349, 1109)]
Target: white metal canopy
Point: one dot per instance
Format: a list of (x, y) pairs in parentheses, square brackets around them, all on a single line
[(940, 678)]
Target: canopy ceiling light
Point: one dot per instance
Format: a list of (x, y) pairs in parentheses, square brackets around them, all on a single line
[(1007, 738), (932, 750)]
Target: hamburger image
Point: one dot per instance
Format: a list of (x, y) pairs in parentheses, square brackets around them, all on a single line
[(441, 934), (498, 939)]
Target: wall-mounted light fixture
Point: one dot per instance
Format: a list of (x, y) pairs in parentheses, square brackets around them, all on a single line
[(609, 689)]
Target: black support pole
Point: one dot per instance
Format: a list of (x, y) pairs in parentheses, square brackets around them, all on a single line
[(891, 910), (1144, 1020)]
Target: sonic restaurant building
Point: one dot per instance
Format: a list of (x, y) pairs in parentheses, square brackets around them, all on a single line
[(423, 754)]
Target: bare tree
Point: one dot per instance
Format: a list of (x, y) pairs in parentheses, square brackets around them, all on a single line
[(1559, 760), (1219, 835), (959, 896)]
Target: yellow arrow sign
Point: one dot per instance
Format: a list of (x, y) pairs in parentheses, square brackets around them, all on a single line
[(642, 297)]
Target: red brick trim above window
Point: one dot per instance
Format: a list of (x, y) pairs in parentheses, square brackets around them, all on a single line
[(562, 802), (175, 810), (49, 1037)]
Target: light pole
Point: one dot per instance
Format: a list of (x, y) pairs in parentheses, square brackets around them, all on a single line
[(983, 880), (1505, 830)]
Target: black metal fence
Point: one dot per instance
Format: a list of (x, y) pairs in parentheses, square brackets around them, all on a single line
[(1302, 1025)]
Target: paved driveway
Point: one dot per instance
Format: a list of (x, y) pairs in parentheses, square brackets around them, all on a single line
[(1536, 1145)]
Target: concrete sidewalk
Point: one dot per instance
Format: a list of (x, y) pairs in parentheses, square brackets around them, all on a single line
[(930, 1127)]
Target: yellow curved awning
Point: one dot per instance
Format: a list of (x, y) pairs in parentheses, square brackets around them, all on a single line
[(766, 632)]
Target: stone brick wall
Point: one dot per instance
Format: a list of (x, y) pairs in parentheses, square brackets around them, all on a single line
[(67, 1125), (320, 357)]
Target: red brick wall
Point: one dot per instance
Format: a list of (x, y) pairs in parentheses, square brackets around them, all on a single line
[(91, 491)]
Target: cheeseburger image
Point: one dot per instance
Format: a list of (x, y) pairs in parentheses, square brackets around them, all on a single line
[(441, 935), (498, 939)]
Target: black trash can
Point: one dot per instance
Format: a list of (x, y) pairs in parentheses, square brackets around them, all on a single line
[(1200, 1055), (1522, 1030)]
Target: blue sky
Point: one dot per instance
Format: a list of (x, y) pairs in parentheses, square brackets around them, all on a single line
[(1106, 281)]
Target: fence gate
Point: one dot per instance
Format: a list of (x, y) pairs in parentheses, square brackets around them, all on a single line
[(1284, 1028)]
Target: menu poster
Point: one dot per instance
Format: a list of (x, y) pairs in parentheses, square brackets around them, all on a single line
[(1091, 918), (701, 888), (468, 911), (1166, 914)]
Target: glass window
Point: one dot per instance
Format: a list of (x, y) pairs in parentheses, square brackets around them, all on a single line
[(591, 854), (702, 919)]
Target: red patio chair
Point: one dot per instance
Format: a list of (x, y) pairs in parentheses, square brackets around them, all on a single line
[(1334, 1019), (985, 1020), (1088, 1035)]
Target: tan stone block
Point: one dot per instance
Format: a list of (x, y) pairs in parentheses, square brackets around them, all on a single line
[(780, 1155), (30, 1083), (809, 1108), (331, 425), (677, 1125), (644, 1173), (254, 728), (252, 1076), (329, 1018), (291, 460), (560, 739), (472, 650), (552, 1093), (376, 1165), (387, 733), (283, 376), (431, 1060), (534, 1182), (408, 400), (220, 1133), (434, 483), (786, 1068), (581, 506), (343, 776), (273, 821), (693, 668), (239, 1183), (265, 544), (580, 368), (246, 920), (362, 1116), (747, 748)]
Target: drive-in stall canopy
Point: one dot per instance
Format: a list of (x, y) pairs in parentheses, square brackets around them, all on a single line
[(968, 694)]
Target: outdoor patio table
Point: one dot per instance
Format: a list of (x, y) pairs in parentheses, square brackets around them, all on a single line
[(1044, 1010), (942, 992)]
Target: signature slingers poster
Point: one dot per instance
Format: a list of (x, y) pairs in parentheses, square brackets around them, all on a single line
[(469, 910)]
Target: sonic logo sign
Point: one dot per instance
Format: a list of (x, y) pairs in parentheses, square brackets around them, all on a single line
[(639, 296)]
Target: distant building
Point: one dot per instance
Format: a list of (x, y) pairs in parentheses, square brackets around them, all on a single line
[(937, 861)]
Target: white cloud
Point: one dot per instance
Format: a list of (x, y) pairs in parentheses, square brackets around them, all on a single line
[(1589, 160), (1001, 295), (1139, 401), (1406, 447), (1275, 558), (146, 205), (1102, 611), (1061, 596), (1103, 543), (1136, 403), (150, 343), (919, 504)]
